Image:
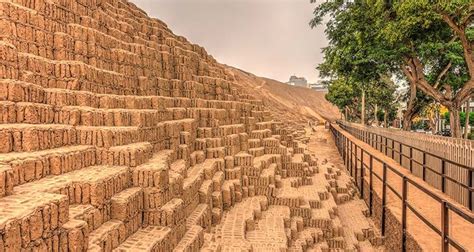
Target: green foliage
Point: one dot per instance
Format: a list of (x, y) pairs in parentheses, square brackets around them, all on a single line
[(341, 93), (419, 41), (352, 60), (462, 116)]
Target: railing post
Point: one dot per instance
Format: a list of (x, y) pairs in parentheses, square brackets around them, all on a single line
[(355, 165), (350, 159), (411, 159), (386, 147), (469, 192), (371, 186), (404, 212), (347, 152), (423, 171), (343, 153), (393, 149), (362, 174), (444, 227), (443, 174), (382, 144), (401, 154), (384, 198)]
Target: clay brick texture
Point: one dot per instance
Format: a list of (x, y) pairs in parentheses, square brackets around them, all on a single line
[(117, 135)]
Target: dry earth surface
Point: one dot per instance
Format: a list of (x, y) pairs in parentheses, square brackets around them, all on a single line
[(288, 102)]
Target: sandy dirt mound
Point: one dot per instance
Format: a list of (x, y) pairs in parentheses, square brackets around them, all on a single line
[(287, 102)]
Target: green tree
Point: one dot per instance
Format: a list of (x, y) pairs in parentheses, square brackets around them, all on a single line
[(348, 57), (428, 42), (432, 40)]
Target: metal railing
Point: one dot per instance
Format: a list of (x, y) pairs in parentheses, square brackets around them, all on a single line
[(349, 151), (380, 142)]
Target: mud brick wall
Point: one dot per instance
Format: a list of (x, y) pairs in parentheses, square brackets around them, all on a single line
[(114, 130)]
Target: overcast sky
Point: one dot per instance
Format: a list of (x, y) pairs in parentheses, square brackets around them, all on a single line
[(269, 38)]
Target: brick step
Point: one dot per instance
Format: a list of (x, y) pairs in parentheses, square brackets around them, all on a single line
[(223, 131), (92, 185), (31, 166), (204, 143), (266, 160), (89, 116), (128, 155), (21, 91), (93, 216), (127, 204), (195, 178), (27, 112), (201, 216), (170, 214), (108, 236), (231, 232), (197, 157), (6, 180), (180, 167), (149, 239), (269, 231), (77, 234), (230, 129), (260, 134), (255, 143), (256, 152), (31, 218), (264, 125), (116, 136), (155, 172), (192, 240), (32, 137), (205, 192), (219, 152), (73, 70), (243, 159)]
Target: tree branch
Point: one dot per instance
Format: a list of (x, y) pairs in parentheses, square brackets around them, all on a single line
[(417, 68), (465, 21), (442, 74), (466, 92), (467, 47)]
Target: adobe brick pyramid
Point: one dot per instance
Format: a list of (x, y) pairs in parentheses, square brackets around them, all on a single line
[(117, 134)]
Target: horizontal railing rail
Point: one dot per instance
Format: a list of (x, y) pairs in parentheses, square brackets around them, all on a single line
[(349, 150), (380, 142)]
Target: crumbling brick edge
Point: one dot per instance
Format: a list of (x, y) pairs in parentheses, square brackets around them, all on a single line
[(393, 225)]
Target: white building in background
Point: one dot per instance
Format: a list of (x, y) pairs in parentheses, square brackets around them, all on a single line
[(471, 106), (319, 86), (297, 81)]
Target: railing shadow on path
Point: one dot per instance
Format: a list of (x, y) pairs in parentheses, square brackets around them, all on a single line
[(425, 213)]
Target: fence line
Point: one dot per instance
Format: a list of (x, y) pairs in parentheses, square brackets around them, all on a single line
[(355, 165), (445, 163)]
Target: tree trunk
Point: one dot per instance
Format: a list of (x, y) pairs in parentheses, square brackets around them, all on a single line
[(409, 113), (385, 116), (375, 115), (346, 113), (407, 121), (466, 124), (455, 122), (362, 117)]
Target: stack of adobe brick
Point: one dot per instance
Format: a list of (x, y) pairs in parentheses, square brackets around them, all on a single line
[(117, 134)]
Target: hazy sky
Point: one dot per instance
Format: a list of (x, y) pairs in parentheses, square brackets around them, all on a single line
[(269, 38)]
